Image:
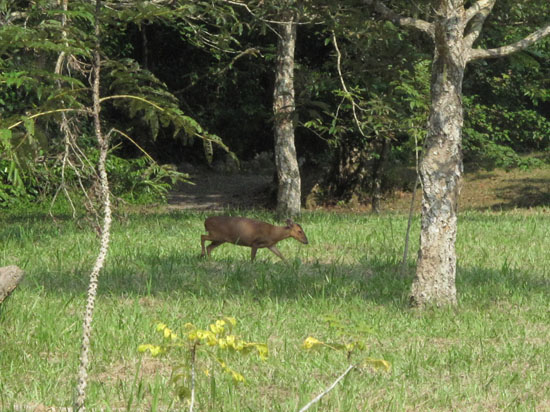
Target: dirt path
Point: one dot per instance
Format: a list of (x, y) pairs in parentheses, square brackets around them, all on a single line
[(214, 191)]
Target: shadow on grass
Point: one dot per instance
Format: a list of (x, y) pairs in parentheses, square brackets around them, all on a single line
[(523, 193), (485, 285), (507, 193), (371, 279)]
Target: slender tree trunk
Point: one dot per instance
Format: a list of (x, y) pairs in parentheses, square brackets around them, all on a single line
[(379, 169), (408, 231), (288, 173), (103, 142), (441, 166)]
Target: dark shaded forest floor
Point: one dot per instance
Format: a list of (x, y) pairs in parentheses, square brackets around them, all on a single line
[(217, 191), (482, 190)]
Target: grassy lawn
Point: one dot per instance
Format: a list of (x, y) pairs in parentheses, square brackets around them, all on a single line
[(491, 352)]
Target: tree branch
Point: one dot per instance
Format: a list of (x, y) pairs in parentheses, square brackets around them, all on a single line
[(511, 48), (396, 18), (478, 14), (478, 7), (348, 94)]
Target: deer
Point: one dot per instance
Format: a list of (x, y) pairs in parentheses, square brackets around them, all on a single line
[(243, 231)]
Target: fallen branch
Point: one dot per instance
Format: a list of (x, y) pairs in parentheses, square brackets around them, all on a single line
[(331, 387), (10, 276)]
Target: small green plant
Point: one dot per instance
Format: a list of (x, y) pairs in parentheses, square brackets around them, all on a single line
[(218, 339)]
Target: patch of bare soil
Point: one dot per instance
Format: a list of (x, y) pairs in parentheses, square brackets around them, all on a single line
[(491, 190)]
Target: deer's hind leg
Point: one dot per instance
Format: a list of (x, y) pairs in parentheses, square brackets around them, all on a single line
[(203, 239), (214, 244)]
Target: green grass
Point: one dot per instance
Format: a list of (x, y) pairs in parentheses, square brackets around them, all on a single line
[(491, 352)]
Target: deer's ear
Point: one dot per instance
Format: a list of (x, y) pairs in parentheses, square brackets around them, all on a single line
[(289, 223)]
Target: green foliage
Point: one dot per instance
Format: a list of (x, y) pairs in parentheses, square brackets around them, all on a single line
[(506, 100), (412, 90), (204, 87), (146, 100), (496, 135), (141, 179), (386, 104), (143, 97), (27, 177), (12, 186), (32, 97), (19, 152), (218, 339), (388, 80)]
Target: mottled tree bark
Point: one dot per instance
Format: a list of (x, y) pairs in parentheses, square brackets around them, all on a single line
[(288, 173), (441, 167)]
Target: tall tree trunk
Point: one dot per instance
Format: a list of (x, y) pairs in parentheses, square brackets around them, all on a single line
[(454, 31), (441, 166), (288, 173)]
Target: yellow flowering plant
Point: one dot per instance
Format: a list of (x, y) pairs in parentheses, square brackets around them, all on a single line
[(350, 340), (215, 341)]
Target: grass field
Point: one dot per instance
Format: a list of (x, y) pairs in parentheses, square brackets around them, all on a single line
[(490, 353)]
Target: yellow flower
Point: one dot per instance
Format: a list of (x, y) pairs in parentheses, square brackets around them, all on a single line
[(310, 342), (237, 377)]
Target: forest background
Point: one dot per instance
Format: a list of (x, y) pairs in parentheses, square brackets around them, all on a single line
[(194, 81)]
